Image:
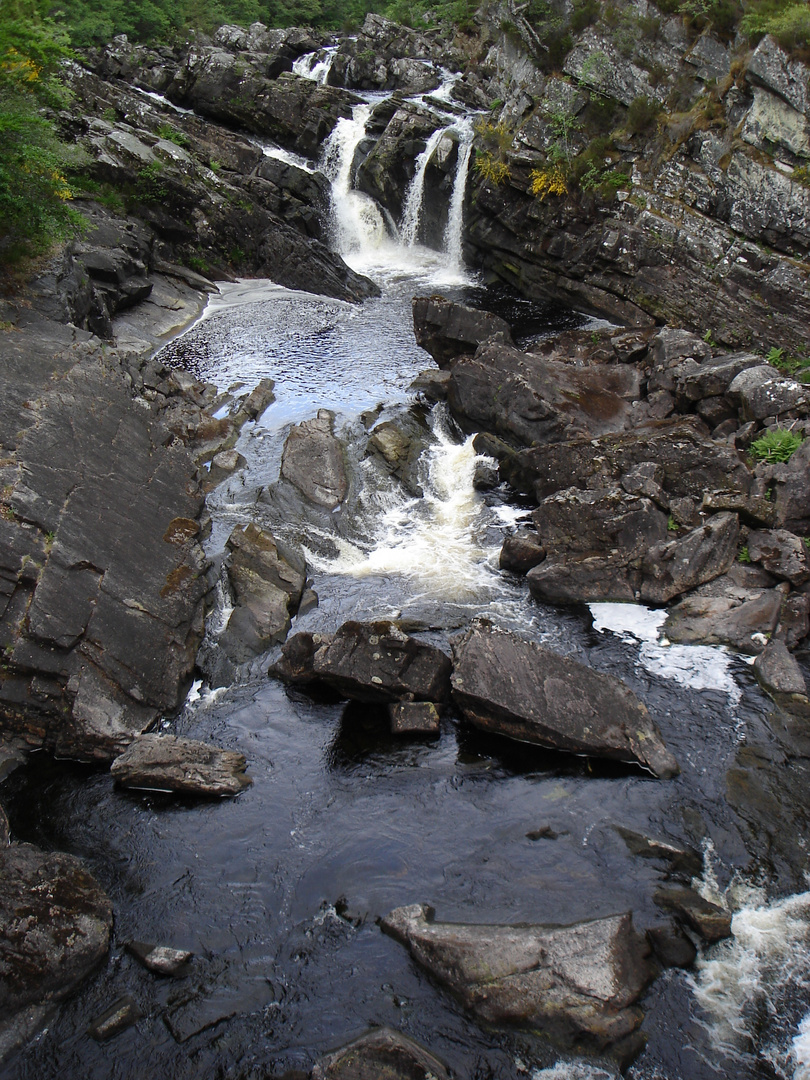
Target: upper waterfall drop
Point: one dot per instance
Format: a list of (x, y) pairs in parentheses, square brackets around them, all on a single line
[(454, 233), (357, 220), (415, 196), (315, 65)]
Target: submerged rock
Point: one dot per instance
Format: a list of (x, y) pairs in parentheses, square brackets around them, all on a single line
[(577, 984), (373, 662), (122, 1014), (185, 766), (516, 688), (160, 959), (414, 718), (56, 928), (382, 1054)]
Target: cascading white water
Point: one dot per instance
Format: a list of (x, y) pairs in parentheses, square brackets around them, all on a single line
[(316, 65), (356, 219), (453, 234), (415, 197)]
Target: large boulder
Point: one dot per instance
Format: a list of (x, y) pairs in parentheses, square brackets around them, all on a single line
[(382, 1054), (529, 399), (448, 330), (516, 688), (56, 929), (374, 662), (672, 567), (577, 984), (185, 766), (313, 461), (761, 391)]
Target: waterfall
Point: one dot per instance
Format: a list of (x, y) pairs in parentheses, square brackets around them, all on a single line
[(414, 199), (357, 221), (455, 217), (315, 65)]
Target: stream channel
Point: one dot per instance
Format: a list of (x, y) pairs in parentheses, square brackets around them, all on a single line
[(277, 892)]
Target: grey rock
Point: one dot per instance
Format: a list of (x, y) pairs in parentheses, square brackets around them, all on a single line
[(160, 959), (770, 66), (781, 553), (778, 672), (448, 330), (772, 123), (504, 684), (695, 381), (374, 662), (605, 520), (794, 619), (754, 510), (676, 566), (672, 947), (520, 553), (382, 1054), (744, 625), (414, 718), (792, 495), (707, 919), (313, 461), (761, 391), (122, 1014), (56, 929), (584, 578), (432, 383), (681, 860), (577, 984), (185, 766)]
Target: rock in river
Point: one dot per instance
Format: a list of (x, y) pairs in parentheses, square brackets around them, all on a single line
[(313, 461), (579, 984), (382, 1054), (169, 763), (514, 687)]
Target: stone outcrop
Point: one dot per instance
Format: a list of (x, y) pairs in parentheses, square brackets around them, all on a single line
[(373, 662), (448, 330), (184, 766), (504, 684), (382, 1054), (577, 984)]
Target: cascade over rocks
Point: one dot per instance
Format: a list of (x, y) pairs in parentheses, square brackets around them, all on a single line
[(577, 984), (516, 688)]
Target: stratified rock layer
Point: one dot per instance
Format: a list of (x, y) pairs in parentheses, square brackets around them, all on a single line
[(187, 766)]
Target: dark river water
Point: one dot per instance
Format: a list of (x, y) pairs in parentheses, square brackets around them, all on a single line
[(278, 892)]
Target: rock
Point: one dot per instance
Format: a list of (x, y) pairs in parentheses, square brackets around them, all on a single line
[(268, 582), (448, 330), (781, 553), (122, 1014), (712, 377), (160, 959), (382, 1054), (433, 384), (671, 946), (56, 929), (223, 465), (794, 619), (486, 476), (792, 494), (185, 766), (583, 579), (754, 510), (744, 625), (5, 828), (313, 461), (521, 552), (504, 684), (528, 399), (373, 662), (675, 566), (577, 984), (692, 463), (778, 672), (761, 391), (414, 718), (681, 860), (771, 67), (400, 444), (707, 919), (299, 262), (605, 520)]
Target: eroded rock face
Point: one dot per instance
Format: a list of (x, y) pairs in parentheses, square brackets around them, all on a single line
[(374, 662), (382, 1054), (448, 330), (578, 984), (56, 928), (186, 766), (504, 684)]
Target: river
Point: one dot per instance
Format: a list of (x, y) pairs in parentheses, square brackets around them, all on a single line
[(277, 892)]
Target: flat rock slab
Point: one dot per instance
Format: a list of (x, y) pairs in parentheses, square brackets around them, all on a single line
[(382, 1054), (373, 662), (516, 688), (185, 766), (56, 927), (578, 984)]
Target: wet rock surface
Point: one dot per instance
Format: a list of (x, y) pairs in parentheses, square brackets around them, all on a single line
[(448, 330), (382, 1054), (504, 684), (579, 984), (185, 766), (313, 461)]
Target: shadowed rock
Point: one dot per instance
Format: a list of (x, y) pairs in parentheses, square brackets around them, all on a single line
[(56, 928), (578, 984), (186, 766), (448, 330), (705, 918), (504, 684), (676, 566), (380, 1055), (779, 674)]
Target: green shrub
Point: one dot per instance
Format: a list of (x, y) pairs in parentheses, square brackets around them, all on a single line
[(776, 445), (642, 115)]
